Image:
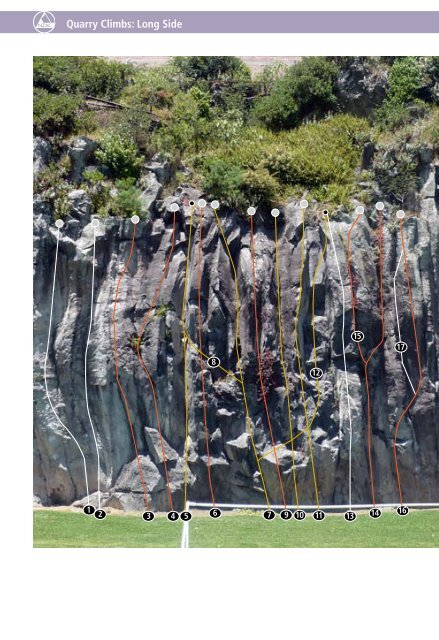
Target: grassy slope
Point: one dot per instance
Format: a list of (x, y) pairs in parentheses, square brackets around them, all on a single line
[(65, 529)]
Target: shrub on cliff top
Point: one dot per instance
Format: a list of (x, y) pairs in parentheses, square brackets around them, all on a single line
[(81, 74), (306, 89), (405, 85), (211, 68), (54, 114)]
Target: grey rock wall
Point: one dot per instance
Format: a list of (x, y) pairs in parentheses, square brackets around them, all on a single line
[(58, 471)]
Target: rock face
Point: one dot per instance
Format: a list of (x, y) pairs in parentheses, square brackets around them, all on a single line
[(235, 474), (361, 87), (42, 154), (80, 153)]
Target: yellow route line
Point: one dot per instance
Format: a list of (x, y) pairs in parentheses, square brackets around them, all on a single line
[(237, 322), (309, 423), (287, 389), (282, 444), (186, 390), (196, 348)]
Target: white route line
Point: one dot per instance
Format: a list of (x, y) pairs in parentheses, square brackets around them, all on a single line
[(45, 373), (397, 319), (322, 507), (344, 362), (85, 366)]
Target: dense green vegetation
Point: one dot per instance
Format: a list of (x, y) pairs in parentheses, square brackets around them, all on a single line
[(81, 75), (66, 529), (242, 139)]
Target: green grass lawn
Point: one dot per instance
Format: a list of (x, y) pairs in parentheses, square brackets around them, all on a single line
[(53, 528)]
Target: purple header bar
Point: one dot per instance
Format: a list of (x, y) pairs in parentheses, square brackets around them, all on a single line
[(220, 22)]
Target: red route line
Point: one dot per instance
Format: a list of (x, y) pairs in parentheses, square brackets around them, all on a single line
[(375, 349), (415, 395), (145, 368), (201, 358), (116, 362), (259, 363)]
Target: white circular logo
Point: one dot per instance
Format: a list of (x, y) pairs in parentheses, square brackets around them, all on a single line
[(44, 21)]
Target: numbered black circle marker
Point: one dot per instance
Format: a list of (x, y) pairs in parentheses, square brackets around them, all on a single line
[(357, 336), (300, 514), (325, 212), (402, 510), (186, 516), (173, 516), (319, 515), (269, 514), (100, 514), (350, 516), (148, 516), (375, 513), (213, 362), (316, 373), (215, 513), (286, 514), (401, 347), (191, 202), (88, 510)]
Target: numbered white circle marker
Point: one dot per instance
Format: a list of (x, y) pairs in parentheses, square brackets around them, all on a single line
[(300, 514), (350, 516), (316, 373), (286, 514), (319, 515), (172, 516), (275, 213), (251, 211), (215, 513), (359, 210), (185, 516), (375, 513), (148, 516), (89, 510), (213, 362), (303, 204), (174, 207), (357, 336), (401, 347), (202, 203), (214, 204), (95, 223), (135, 219), (269, 514), (379, 206), (400, 214), (59, 224), (402, 510), (100, 514)]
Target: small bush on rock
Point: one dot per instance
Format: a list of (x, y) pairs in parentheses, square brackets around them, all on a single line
[(127, 201), (119, 153)]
